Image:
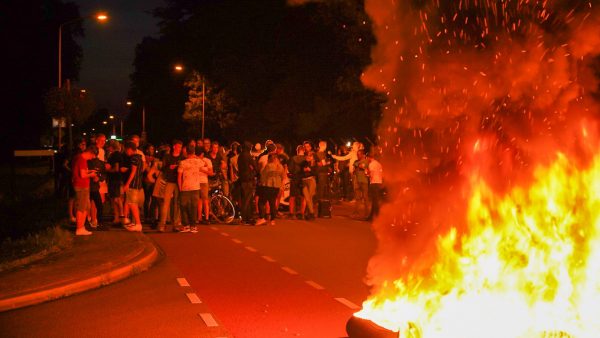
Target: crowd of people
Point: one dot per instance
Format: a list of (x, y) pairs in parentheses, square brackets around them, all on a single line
[(169, 186)]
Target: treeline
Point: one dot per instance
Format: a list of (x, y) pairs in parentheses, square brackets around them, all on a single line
[(270, 71)]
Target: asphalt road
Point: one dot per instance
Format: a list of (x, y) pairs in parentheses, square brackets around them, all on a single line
[(293, 279)]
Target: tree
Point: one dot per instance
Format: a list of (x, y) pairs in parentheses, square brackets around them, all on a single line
[(69, 103), (205, 99), (293, 72), (30, 35)]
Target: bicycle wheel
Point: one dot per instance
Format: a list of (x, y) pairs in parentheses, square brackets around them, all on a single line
[(222, 209)]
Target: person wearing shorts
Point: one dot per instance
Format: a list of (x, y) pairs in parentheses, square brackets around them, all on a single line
[(81, 185), (206, 170), (134, 192)]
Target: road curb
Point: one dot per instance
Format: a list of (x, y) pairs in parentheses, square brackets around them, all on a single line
[(140, 263)]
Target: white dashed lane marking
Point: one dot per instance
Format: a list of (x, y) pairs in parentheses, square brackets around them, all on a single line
[(268, 259), (208, 319), (315, 285), (193, 298), (251, 249), (183, 282), (348, 303), (237, 241), (214, 228), (224, 234), (289, 270)]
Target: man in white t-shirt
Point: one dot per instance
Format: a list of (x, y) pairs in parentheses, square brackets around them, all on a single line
[(189, 176), (206, 170), (375, 171)]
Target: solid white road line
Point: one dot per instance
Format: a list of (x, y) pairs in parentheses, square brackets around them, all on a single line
[(183, 282), (237, 241), (193, 298), (289, 270), (208, 319), (251, 249), (348, 303), (268, 259), (314, 285)]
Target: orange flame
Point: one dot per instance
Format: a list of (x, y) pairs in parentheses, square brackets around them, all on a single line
[(527, 266)]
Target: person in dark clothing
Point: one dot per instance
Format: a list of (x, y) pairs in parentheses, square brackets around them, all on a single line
[(247, 175), (169, 171), (96, 164)]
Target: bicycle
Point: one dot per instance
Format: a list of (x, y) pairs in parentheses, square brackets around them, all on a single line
[(221, 207)]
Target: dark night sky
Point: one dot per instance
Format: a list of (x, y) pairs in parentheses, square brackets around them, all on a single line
[(109, 48)]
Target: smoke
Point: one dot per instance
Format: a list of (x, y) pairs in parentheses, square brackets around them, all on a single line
[(483, 90)]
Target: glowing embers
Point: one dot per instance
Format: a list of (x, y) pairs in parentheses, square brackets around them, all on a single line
[(527, 265)]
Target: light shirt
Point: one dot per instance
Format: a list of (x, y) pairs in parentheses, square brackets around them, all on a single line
[(375, 172), (102, 154), (207, 166), (191, 176)]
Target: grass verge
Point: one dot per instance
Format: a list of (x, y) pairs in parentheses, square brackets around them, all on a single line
[(34, 247)]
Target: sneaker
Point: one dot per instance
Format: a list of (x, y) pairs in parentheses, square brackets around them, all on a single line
[(194, 229), (126, 221), (73, 220), (272, 222), (134, 227), (82, 232), (260, 221), (162, 228), (184, 228), (94, 224)]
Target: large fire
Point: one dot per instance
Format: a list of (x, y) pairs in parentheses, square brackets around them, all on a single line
[(528, 265), (492, 157)]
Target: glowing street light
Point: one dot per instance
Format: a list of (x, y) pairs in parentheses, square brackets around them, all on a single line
[(129, 103), (104, 122), (101, 17), (112, 117), (178, 68)]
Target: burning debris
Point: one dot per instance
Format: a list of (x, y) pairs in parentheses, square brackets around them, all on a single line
[(492, 153)]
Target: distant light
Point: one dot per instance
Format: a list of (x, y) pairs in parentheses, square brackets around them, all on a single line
[(83, 90), (348, 144), (104, 122), (93, 129), (113, 137), (111, 117), (129, 103), (178, 68), (102, 17), (72, 125), (84, 134)]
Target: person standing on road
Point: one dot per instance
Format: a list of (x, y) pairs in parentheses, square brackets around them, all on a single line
[(376, 182), (170, 163), (81, 185), (188, 179), (247, 174), (271, 180), (96, 197), (361, 185), (295, 174), (133, 187), (309, 183), (206, 170)]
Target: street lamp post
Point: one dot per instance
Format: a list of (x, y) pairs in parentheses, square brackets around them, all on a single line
[(101, 17)]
